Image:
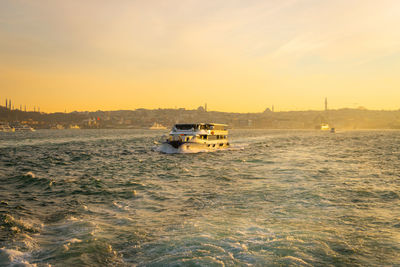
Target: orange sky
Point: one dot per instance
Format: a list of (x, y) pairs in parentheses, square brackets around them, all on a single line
[(238, 56)]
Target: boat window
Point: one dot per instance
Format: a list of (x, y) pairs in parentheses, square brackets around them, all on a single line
[(185, 126), (215, 127), (204, 136), (220, 127)]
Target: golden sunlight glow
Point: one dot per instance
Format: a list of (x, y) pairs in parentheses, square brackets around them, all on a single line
[(238, 56)]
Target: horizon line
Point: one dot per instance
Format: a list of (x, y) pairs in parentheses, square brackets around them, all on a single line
[(150, 109)]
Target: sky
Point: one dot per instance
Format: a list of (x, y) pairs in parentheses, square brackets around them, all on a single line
[(236, 56)]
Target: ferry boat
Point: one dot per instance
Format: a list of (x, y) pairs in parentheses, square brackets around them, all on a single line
[(5, 127), (19, 127), (157, 126), (74, 127), (197, 137), (325, 127)]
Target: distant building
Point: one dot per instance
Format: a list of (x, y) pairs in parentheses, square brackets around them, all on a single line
[(326, 103)]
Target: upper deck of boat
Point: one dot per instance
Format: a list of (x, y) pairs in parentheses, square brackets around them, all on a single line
[(200, 126)]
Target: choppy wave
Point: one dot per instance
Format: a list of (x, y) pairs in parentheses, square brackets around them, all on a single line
[(275, 198), (10, 257), (167, 149)]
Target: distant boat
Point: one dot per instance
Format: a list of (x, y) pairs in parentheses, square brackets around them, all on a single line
[(333, 130), (57, 127), (325, 127), (76, 127), (5, 127), (157, 126), (19, 127)]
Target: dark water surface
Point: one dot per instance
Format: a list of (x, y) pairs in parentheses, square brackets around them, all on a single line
[(104, 197)]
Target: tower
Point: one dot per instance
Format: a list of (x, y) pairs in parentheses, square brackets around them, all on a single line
[(205, 107), (9, 104), (326, 103), (6, 103)]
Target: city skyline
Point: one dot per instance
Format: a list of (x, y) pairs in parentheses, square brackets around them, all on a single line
[(237, 56), (9, 104)]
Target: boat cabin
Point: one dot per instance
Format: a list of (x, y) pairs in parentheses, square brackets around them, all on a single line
[(201, 126)]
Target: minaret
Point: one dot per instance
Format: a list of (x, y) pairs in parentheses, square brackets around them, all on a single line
[(9, 104), (326, 103), (6, 103), (205, 107)]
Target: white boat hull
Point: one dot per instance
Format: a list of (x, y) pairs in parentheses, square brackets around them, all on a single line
[(192, 147)]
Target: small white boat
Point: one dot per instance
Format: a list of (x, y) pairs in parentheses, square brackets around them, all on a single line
[(325, 127), (157, 126), (196, 138), (74, 127), (18, 127), (5, 127)]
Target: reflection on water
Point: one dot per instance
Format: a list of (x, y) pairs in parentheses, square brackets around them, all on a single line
[(105, 197)]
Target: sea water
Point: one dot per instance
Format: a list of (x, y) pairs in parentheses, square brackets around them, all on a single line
[(107, 197)]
